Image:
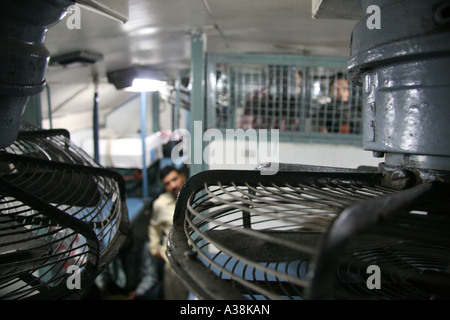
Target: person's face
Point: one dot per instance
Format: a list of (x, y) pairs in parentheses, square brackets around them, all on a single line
[(298, 79), (173, 182), (340, 90)]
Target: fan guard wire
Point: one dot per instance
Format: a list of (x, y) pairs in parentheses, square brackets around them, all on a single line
[(58, 208), (243, 235)]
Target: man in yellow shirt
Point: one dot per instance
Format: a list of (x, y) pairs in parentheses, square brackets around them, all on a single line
[(159, 228)]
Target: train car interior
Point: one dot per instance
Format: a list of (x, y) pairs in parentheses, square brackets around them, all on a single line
[(224, 150)]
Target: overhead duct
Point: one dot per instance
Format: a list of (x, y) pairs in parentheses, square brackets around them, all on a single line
[(116, 9)]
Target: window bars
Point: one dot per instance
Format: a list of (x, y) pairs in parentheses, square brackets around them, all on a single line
[(300, 99)]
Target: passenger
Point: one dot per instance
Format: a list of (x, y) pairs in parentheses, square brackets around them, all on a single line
[(298, 82), (339, 88), (131, 275), (275, 107), (334, 117), (159, 228)]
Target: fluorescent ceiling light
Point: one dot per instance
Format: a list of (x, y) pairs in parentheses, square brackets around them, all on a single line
[(145, 85), (137, 79)]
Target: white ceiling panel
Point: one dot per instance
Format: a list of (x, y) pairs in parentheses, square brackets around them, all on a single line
[(158, 33)]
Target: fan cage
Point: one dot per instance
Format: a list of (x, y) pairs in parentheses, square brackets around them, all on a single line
[(51, 145), (241, 235), (58, 209)]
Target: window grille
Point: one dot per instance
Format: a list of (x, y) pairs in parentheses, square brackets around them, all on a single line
[(301, 100)]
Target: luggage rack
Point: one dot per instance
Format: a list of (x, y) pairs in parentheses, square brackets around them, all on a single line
[(309, 234)]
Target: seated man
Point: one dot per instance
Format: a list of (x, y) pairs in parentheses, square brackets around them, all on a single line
[(159, 228), (132, 274)]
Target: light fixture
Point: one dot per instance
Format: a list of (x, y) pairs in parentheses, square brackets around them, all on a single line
[(137, 79), (79, 57), (141, 79), (145, 85)]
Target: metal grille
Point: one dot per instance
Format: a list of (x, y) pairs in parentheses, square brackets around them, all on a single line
[(293, 99), (51, 145), (58, 209), (259, 233), (241, 235)]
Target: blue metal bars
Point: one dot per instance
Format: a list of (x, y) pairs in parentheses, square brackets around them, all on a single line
[(303, 97)]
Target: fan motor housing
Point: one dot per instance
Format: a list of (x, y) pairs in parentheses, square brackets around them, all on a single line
[(24, 57), (403, 68)]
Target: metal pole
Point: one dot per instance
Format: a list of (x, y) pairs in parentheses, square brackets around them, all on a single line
[(155, 111), (155, 119), (144, 148), (95, 122), (176, 122), (197, 108), (49, 105)]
